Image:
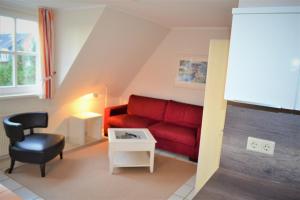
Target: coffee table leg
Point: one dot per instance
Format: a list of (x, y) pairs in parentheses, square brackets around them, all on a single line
[(151, 161), (111, 163)]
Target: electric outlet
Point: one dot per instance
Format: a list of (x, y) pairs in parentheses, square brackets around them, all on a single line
[(252, 144), (267, 147), (260, 145)]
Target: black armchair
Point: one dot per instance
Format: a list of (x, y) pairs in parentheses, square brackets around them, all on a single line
[(37, 148)]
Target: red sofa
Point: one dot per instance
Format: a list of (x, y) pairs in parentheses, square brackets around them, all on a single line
[(176, 126)]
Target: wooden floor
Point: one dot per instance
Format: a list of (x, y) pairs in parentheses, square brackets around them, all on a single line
[(228, 185)]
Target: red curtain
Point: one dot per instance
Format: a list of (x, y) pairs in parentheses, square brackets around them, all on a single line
[(46, 49)]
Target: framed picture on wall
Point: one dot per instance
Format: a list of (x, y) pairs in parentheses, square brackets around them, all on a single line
[(191, 71)]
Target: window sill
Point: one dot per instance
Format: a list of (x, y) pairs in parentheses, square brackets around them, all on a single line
[(16, 96)]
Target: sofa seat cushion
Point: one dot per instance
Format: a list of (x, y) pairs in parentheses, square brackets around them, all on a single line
[(130, 121), (175, 133)]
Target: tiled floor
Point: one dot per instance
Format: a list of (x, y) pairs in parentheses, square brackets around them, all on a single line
[(185, 192), (17, 188)]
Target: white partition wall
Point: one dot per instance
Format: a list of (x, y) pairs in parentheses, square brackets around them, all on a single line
[(214, 113)]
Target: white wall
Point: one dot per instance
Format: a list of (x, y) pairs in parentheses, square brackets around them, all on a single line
[(269, 3), (72, 28), (24, 104), (156, 78), (112, 55)]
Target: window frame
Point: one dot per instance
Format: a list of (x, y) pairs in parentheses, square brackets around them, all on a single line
[(15, 89)]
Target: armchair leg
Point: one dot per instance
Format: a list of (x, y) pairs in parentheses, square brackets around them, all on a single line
[(61, 155), (12, 164), (43, 167)]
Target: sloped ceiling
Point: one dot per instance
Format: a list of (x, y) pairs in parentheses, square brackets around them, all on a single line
[(179, 13), (117, 47), (169, 13), (72, 28)]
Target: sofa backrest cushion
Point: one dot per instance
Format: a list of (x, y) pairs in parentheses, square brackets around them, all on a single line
[(147, 107), (184, 114)]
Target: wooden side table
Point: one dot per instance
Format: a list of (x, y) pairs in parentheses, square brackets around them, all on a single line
[(84, 124)]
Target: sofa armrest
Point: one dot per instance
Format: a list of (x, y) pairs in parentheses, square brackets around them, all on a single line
[(116, 110), (197, 145), (112, 111), (198, 136)]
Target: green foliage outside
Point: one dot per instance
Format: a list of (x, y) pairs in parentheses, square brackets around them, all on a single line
[(26, 71), (6, 73)]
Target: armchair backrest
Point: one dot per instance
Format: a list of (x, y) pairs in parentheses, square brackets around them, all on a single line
[(14, 131), (16, 124), (31, 120)]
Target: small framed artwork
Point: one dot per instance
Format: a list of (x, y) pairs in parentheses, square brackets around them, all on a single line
[(191, 72)]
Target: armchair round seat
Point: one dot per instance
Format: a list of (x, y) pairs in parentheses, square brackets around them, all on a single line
[(38, 148)]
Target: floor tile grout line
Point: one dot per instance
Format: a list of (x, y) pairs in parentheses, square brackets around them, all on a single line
[(36, 196), (192, 186), (4, 179), (18, 188), (178, 195), (188, 194)]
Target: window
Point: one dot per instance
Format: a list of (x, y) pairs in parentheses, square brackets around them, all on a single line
[(19, 57)]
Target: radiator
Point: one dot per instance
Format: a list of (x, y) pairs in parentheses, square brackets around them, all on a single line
[(4, 142)]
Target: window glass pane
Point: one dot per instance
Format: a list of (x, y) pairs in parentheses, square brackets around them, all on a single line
[(26, 68), (6, 69), (6, 33), (27, 34)]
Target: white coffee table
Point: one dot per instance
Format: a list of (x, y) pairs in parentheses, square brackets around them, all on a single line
[(131, 152)]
